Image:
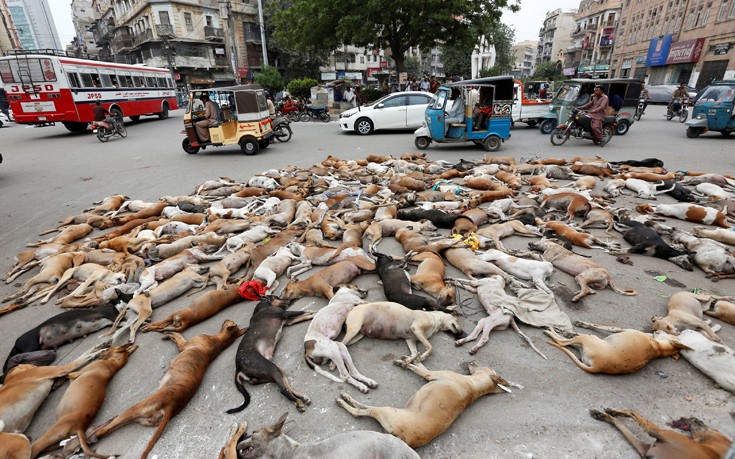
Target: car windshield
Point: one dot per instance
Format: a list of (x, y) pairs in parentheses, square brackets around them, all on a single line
[(567, 93), (719, 94)]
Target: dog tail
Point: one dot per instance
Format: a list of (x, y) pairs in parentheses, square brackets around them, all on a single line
[(240, 384), (167, 415)]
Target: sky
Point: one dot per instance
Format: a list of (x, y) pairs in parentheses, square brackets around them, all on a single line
[(526, 22)]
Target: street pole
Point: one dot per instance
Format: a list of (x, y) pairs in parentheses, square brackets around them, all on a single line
[(262, 32), (231, 38)]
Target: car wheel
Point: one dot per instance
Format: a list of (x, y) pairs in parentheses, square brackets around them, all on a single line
[(622, 128), (492, 143), (546, 126), (186, 145), (364, 126), (422, 143), (693, 132), (249, 146), (163, 114)]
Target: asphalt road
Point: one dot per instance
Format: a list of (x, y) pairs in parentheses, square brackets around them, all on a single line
[(48, 174)]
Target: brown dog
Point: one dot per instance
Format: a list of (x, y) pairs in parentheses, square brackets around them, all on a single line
[(705, 442), (685, 312), (500, 230), (324, 282), (723, 310), (624, 351), (14, 445), (179, 384), (577, 238), (573, 203), (434, 407), (429, 277), (199, 310), (83, 399)]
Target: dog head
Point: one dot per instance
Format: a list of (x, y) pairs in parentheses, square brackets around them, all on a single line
[(683, 261), (451, 324), (351, 289), (257, 444), (663, 324), (496, 384)]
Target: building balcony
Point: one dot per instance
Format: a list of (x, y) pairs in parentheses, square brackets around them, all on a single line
[(143, 37), (213, 33), (164, 30), (221, 61), (590, 27), (574, 48), (123, 42), (577, 32)]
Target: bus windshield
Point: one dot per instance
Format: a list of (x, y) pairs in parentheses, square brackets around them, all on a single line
[(27, 70)]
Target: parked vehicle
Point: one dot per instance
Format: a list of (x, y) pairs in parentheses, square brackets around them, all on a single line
[(243, 119), (401, 110), (282, 129), (527, 107), (682, 112), (578, 125), (714, 111), (488, 126), (574, 93), (317, 113), (104, 133), (294, 112), (662, 93)]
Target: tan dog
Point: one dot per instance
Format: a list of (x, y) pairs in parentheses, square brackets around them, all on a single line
[(685, 312), (577, 238), (67, 235), (723, 310), (324, 282), (500, 230), (434, 407), (726, 236), (598, 214), (386, 320), (14, 445), (109, 204), (429, 277), (199, 310), (52, 269), (624, 351), (705, 443), (26, 388), (83, 399), (586, 272), (513, 181), (378, 230), (179, 384), (572, 202), (480, 197)]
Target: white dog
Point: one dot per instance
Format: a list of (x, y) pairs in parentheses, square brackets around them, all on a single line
[(533, 270)]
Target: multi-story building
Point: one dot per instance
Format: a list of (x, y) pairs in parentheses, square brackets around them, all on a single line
[(351, 63), (688, 41), (593, 38), (525, 58), (204, 42), (83, 17), (34, 24), (8, 33), (554, 36)]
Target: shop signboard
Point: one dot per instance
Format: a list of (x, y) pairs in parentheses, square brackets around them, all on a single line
[(329, 76), (658, 51), (686, 51), (721, 49)]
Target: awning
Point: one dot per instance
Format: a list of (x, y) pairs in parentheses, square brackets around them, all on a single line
[(223, 76)]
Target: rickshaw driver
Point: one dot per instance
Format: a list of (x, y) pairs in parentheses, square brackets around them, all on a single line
[(210, 118), (597, 112), (455, 114)]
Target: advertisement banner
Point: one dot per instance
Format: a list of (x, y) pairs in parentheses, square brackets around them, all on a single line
[(686, 51), (569, 71), (658, 51), (371, 71), (329, 76)]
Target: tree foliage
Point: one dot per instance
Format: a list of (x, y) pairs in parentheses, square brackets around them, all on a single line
[(547, 71), (413, 66), (301, 87), (502, 36), (269, 77), (313, 25), (457, 59)]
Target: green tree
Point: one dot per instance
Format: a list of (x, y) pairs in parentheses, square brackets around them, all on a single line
[(457, 59), (313, 25), (301, 87), (413, 66), (547, 71), (270, 77), (502, 36)]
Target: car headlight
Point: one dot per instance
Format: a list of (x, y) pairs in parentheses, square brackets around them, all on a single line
[(345, 115), (700, 116)]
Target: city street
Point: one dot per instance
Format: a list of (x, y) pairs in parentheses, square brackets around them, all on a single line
[(48, 174)]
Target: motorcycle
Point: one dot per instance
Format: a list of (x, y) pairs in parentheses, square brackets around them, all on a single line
[(282, 129), (579, 126), (294, 112), (104, 134), (682, 113), (640, 108), (318, 113)]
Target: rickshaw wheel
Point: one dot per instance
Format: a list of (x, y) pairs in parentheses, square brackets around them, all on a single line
[(546, 127), (607, 134), (263, 144), (622, 127), (186, 145), (693, 132), (422, 143), (726, 132), (249, 146), (492, 143)]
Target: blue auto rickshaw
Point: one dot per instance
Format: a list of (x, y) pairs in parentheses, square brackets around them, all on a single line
[(713, 110), (485, 119)]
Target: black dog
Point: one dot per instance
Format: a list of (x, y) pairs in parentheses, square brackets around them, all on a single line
[(58, 330), (647, 242), (648, 162), (397, 284), (253, 360), (437, 217), (464, 166), (677, 191)]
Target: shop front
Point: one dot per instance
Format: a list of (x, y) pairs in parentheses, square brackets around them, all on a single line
[(682, 58)]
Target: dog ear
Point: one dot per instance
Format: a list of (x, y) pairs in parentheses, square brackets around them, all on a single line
[(276, 428)]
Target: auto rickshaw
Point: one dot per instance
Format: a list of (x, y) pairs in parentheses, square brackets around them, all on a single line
[(242, 119), (713, 110), (573, 93), (487, 114)]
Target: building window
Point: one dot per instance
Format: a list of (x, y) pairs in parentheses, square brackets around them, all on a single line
[(362, 59), (209, 21), (187, 21), (163, 17), (732, 10)]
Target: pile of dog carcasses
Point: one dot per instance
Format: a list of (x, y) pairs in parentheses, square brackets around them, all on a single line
[(390, 250)]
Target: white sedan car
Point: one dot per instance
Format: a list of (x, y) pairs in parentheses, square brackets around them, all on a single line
[(400, 110)]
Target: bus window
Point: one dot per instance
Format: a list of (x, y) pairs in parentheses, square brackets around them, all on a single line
[(87, 81), (74, 80), (106, 82), (138, 82), (150, 82), (162, 82), (125, 81), (113, 80)]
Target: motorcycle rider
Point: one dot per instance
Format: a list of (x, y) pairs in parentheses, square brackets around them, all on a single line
[(645, 95), (101, 116), (680, 93), (597, 111)]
